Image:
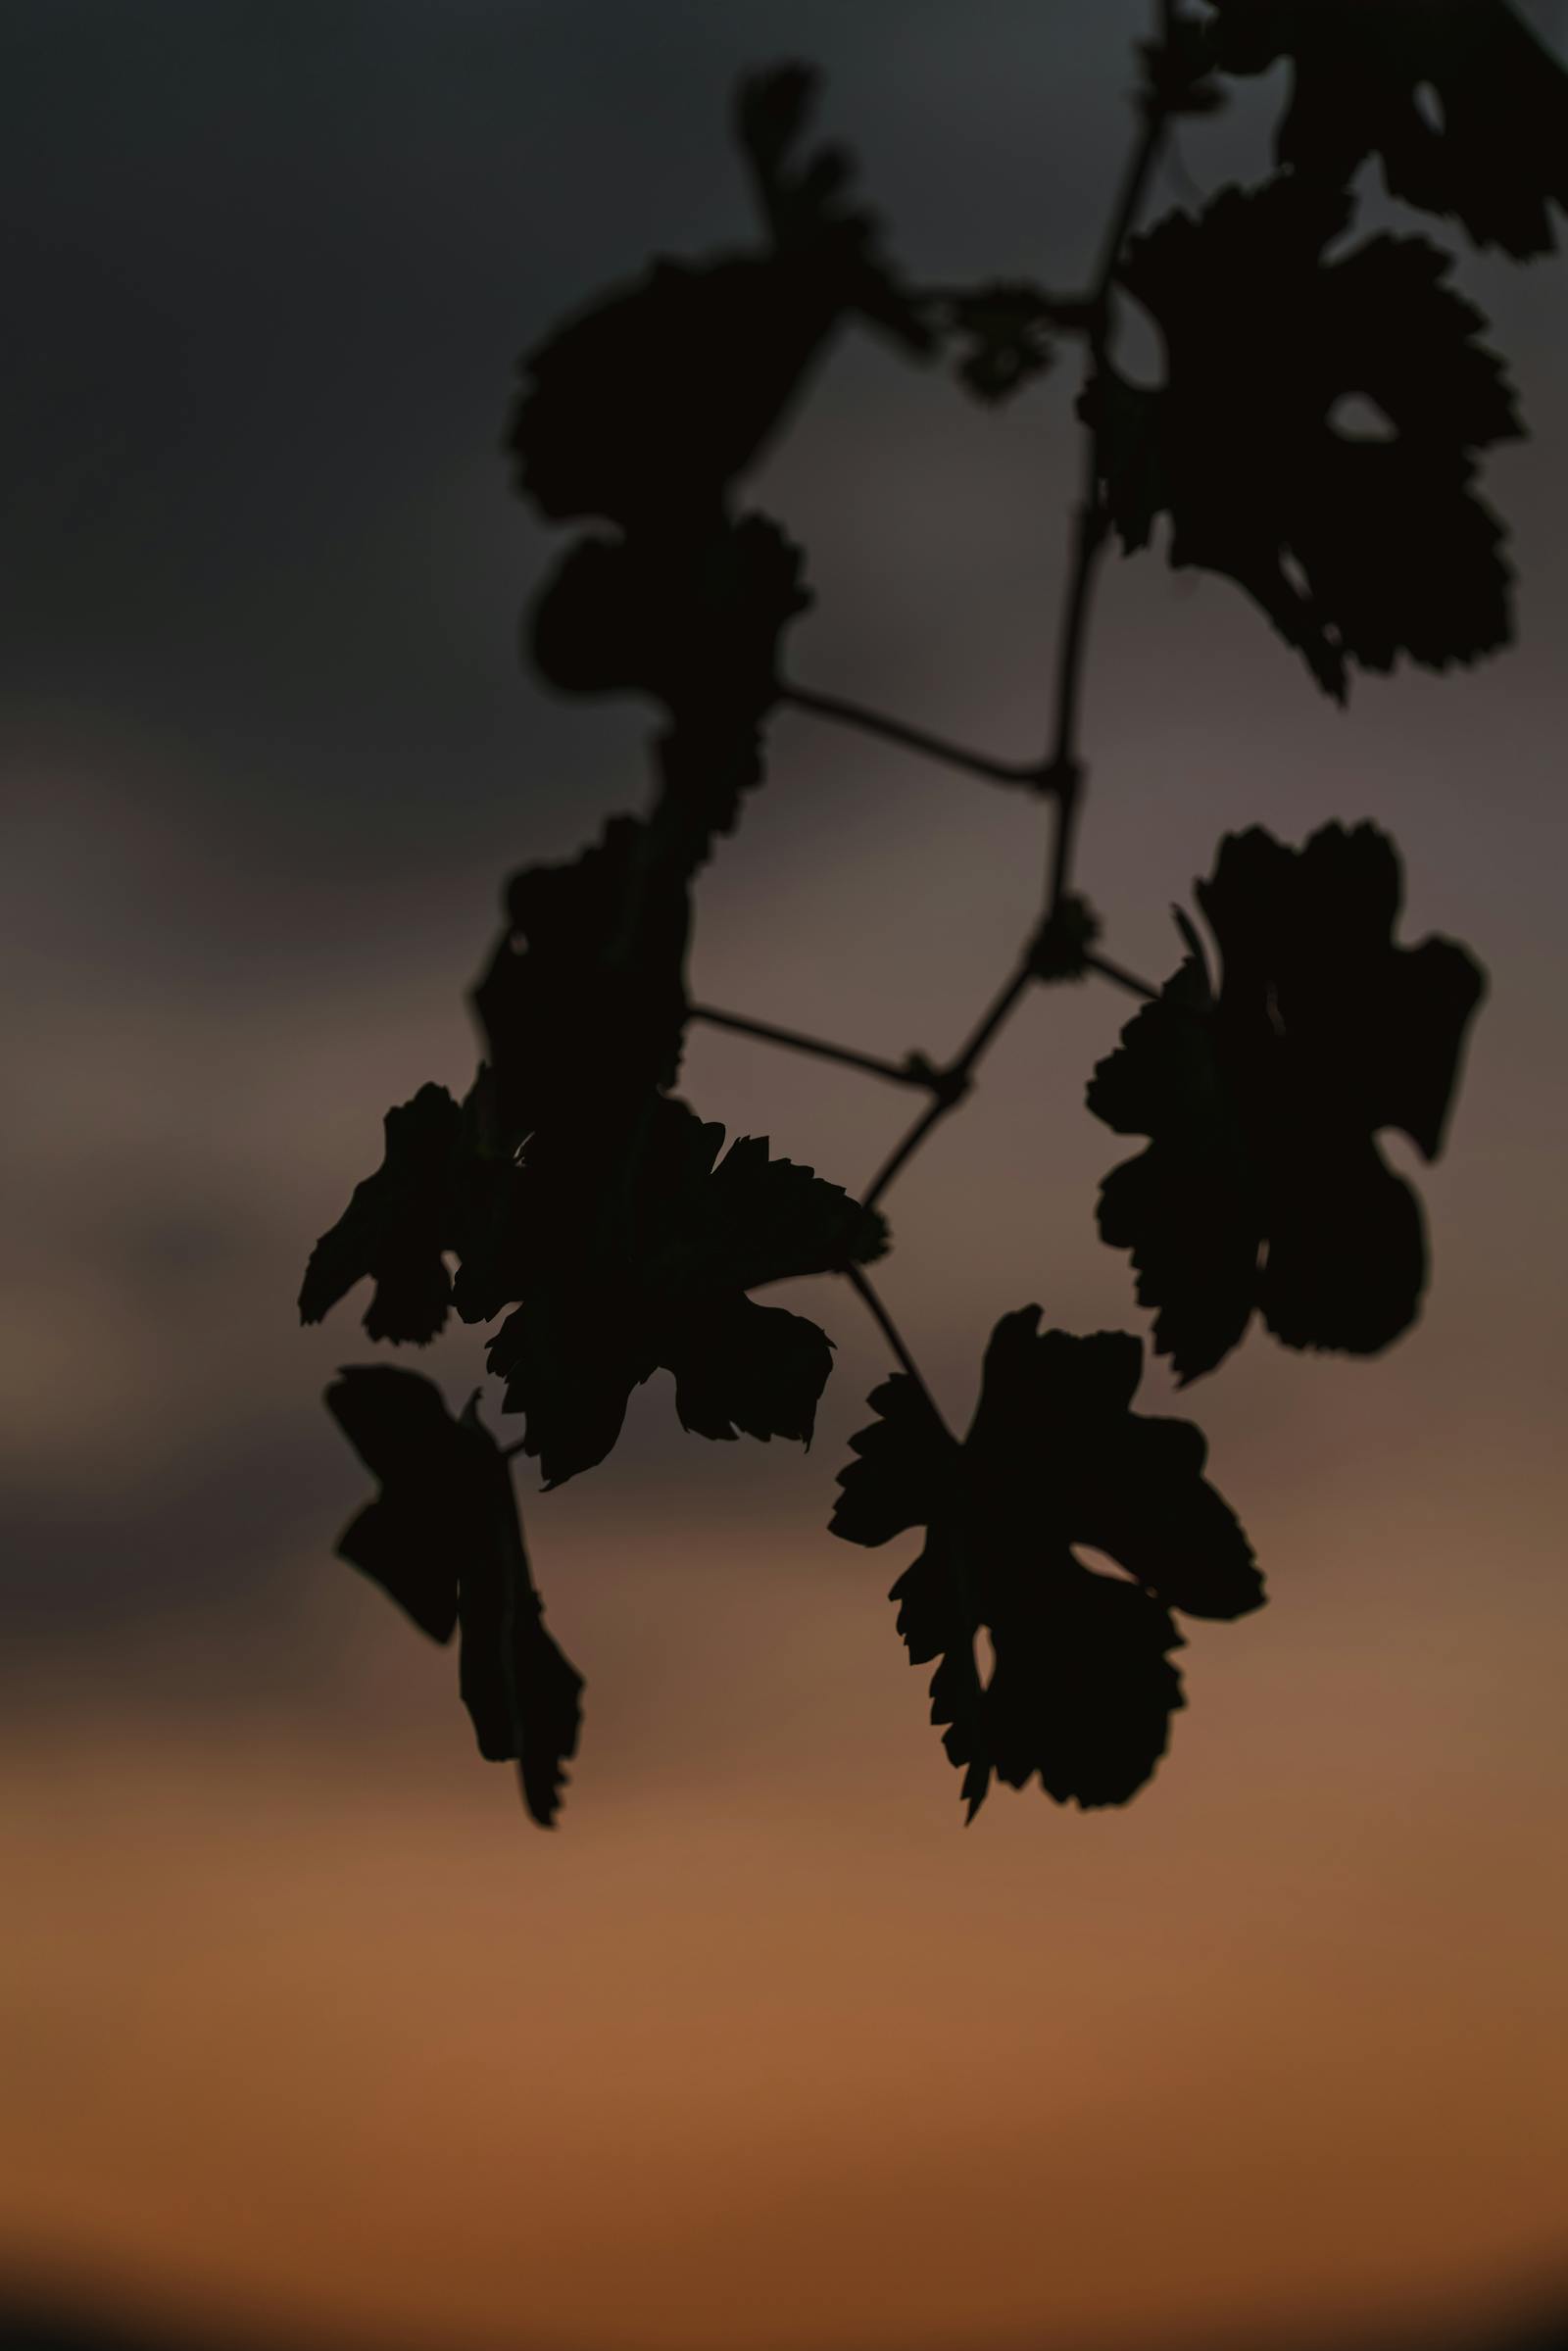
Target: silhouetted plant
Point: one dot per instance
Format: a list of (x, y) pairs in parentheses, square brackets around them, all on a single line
[(571, 1194)]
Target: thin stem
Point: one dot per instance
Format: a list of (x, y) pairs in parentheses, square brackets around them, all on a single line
[(1121, 978), (912, 1073), (894, 1337), (1135, 182), (1090, 523), (914, 738), (955, 1083), (1061, 772)]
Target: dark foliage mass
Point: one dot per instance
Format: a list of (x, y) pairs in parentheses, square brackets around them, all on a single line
[(1317, 437)]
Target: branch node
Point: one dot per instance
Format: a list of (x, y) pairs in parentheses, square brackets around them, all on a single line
[(1061, 948), (947, 1086)]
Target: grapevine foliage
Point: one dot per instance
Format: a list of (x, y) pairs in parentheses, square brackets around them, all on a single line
[(608, 1235), (1081, 1691), (1263, 1189)]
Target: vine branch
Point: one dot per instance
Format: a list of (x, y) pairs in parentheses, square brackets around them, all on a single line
[(1090, 522), (955, 1081), (1060, 773), (914, 738), (915, 1070), (1120, 977), (891, 1333)]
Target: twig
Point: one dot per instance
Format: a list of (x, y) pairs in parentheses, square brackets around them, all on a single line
[(914, 738), (1121, 978), (913, 1072), (1061, 772), (955, 1079), (894, 1338), (1090, 523)]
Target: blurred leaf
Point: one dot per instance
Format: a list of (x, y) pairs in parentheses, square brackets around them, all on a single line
[(583, 1000), (444, 1539), (1081, 1690), (1263, 1189), (645, 1266), (1359, 549), (645, 408), (1464, 107), (696, 622)]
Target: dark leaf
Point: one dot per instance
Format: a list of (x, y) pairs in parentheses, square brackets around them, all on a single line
[(1262, 1189), (803, 197), (485, 1206), (447, 1184), (1358, 548), (695, 622), (1464, 107), (1081, 1689), (583, 1002), (394, 1228), (444, 1539), (646, 1265), (407, 1539), (646, 408)]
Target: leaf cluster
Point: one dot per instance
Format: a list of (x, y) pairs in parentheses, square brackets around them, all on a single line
[(609, 1236)]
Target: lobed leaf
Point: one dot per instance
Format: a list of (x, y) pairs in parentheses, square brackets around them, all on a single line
[(1262, 1189), (446, 1186), (646, 406), (1081, 1689), (1359, 549), (646, 1269), (443, 1537), (1465, 108)]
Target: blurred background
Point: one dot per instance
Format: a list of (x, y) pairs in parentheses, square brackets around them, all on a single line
[(310, 2037)]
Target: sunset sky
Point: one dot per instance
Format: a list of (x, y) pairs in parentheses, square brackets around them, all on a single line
[(307, 2032)]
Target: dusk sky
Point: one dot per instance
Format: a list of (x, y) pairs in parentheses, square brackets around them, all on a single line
[(307, 2031)]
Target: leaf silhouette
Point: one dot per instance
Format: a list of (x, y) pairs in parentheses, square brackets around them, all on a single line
[(695, 622), (1262, 1189), (443, 1537), (583, 1001), (651, 1269), (446, 1184), (646, 406), (803, 197), (1081, 1689), (1358, 548), (1464, 107), (395, 1228)]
